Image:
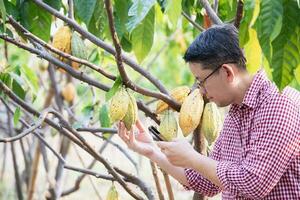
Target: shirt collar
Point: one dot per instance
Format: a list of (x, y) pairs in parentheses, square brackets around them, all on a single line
[(252, 94)]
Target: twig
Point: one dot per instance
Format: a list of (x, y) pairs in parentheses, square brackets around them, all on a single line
[(71, 9), (98, 130), (14, 157), (65, 129), (157, 183), (103, 45), (122, 150), (81, 177), (4, 162), (91, 180), (19, 27), (211, 13), (42, 53), (168, 185), (239, 14), (216, 5), (42, 118), (196, 25), (119, 61), (74, 73)]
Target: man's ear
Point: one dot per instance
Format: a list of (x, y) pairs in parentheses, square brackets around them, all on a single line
[(228, 72)]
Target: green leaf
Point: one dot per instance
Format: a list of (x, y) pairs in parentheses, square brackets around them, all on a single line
[(163, 4), (17, 115), (297, 73), (114, 88), (35, 21), (187, 6), (286, 58), (31, 78), (98, 20), (84, 10), (56, 4), (121, 16), (269, 23), (126, 43), (173, 10), (5, 30), (254, 58), (18, 90), (11, 9), (87, 114), (138, 12), (251, 9), (104, 119), (227, 9), (142, 36), (295, 84), (6, 79), (3, 12)]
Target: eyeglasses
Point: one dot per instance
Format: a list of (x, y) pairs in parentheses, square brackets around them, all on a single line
[(201, 82)]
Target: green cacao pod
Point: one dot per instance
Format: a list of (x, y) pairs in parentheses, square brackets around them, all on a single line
[(78, 49), (168, 125), (112, 193), (211, 122), (119, 105), (131, 114)]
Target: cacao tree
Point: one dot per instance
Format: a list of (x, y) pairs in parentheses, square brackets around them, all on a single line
[(63, 61)]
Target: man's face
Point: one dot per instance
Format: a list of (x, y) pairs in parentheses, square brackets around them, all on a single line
[(214, 84)]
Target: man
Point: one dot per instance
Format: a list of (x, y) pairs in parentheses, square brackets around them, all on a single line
[(256, 155)]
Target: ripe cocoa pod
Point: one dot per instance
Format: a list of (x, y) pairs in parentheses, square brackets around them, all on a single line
[(62, 39), (179, 94), (211, 122), (68, 92), (168, 125), (112, 193), (190, 112), (78, 49), (131, 114), (119, 105)]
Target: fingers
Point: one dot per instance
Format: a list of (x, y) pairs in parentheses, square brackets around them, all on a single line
[(122, 132), (163, 145), (140, 126)]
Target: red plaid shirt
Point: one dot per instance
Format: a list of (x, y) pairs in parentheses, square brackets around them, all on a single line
[(258, 147)]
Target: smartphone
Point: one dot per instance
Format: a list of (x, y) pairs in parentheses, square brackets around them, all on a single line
[(155, 134)]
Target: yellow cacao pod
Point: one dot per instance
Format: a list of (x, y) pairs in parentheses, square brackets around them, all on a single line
[(62, 39), (131, 114), (190, 112), (119, 105), (68, 92), (211, 122), (168, 125), (112, 193), (179, 94)]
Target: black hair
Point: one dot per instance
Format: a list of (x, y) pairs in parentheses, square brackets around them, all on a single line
[(216, 46)]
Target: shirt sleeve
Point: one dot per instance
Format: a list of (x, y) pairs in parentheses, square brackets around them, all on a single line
[(200, 184), (273, 146)]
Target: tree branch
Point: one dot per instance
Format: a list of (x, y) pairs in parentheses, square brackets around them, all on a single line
[(26, 33), (66, 129), (211, 13), (239, 14), (119, 61), (102, 44), (196, 25)]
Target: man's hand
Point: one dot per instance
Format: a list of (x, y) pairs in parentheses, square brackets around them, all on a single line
[(179, 152), (138, 139)]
